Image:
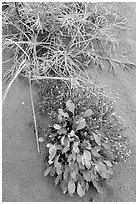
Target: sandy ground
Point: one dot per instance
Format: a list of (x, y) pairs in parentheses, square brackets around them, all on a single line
[(22, 169)]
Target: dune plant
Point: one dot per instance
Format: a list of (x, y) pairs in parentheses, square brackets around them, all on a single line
[(85, 138), (60, 38)]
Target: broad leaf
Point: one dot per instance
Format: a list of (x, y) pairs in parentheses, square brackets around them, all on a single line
[(47, 171), (102, 170), (57, 179), (100, 166), (56, 163), (66, 172), (97, 186), (88, 164), (97, 139), (88, 113), (92, 174), (75, 171), (86, 176), (87, 158), (80, 178), (59, 169), (71, 187), (52, 152), (66, 144), (70, 106), (57, 127), (80, 191), (64, 186), (95, 153), (53, 171), (65, 141), (81, 124), (79, 158), (87, 155), (83, 185), (73, 174)]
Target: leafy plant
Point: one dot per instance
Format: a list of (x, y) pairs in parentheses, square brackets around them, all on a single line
[(81, 147), (73, 152)]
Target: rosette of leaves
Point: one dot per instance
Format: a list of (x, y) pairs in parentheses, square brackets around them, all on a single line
[(77, 154), (54, 95)]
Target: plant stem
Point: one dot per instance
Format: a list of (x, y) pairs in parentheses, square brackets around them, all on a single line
[(46, 77), (36, 132), (22, 65)]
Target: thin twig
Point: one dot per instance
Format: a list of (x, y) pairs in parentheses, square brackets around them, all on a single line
[(46, 77), (22, 65), (36, 132)]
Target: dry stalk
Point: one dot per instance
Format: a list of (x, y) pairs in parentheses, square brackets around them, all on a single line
[(36, 132), (22, 65)]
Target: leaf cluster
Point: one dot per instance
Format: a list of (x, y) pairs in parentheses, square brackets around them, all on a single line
[(85, 97), (81, 152), (74, 152)]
